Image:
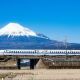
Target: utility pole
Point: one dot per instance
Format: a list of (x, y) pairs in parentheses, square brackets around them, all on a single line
[(65, 44)]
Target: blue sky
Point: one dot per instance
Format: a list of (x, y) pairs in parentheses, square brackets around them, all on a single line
[(55, 18)]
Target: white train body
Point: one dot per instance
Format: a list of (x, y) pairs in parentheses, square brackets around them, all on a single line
[(38, 52)]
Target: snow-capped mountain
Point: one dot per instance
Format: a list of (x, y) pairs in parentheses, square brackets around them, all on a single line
[(15, 29), (16, 36)]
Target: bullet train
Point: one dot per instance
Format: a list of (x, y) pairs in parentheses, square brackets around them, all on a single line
[(38, 52)]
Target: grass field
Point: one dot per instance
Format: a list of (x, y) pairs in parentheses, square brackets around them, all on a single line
[(41, 74)]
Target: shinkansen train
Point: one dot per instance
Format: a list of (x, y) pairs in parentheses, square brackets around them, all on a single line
[(38, 52)]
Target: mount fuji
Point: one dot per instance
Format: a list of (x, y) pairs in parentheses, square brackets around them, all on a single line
[(16, 36)]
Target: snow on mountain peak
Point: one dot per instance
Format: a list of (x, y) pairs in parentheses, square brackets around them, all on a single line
[(15, 29)]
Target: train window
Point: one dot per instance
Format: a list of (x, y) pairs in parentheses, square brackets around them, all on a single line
[(68, 52), (54, 52), (72, 52), (27, 52), (17, 51), (60, 52), (33, 52), (13, 51), (76, 52), (8, 51), (21, 51)]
